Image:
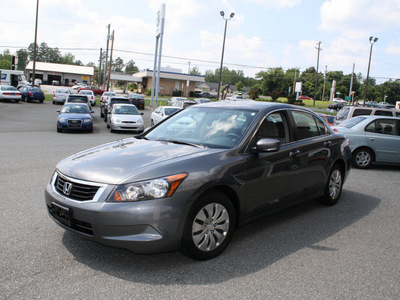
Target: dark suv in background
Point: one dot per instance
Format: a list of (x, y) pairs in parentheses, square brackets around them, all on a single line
[(110, 102), (137, 100)]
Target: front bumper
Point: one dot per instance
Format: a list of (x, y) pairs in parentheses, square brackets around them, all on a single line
[(127, 126), (65, 125), (142, 227)]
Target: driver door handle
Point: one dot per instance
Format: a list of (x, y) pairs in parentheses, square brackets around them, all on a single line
[(294, 153)]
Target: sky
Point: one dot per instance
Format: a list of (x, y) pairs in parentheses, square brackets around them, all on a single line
[(262, 34)]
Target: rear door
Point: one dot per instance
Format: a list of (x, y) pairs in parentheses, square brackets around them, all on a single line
[(383, 135)]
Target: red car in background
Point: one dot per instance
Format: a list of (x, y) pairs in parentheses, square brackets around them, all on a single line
[(96, 90), (304, 97), (328, 119)]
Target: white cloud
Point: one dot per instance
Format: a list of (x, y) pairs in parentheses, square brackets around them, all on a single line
[(360, 18), (394, 49), (276, 4)]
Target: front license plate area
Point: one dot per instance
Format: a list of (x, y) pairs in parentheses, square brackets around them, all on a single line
[(62, 214)]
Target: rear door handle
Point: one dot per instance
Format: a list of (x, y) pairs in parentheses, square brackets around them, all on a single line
[(294, 153), (327, 143)]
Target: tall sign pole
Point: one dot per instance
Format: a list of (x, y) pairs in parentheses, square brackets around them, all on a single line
[(155, 88), (35, 48), (105, 65)]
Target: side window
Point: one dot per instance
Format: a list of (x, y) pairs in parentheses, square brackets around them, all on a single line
[(305, 125), (388, 127), (321, 127), (274, 126), (384, 113), (361, 112)]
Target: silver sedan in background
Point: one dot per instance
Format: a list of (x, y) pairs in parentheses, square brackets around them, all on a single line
[(125, 117), (60, 95), (373, 139)]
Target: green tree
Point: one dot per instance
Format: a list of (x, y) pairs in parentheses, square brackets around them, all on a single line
[(22, 59), (239, 86), (131, 68), (273, 80), (195, 71), (5, 64), (118, 64)]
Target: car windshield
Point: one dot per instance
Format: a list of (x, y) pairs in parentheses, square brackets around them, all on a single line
[(342, 114), (125, 110), (170, 111), (75, 109), (205, 127), (352, 122), (85, 92)]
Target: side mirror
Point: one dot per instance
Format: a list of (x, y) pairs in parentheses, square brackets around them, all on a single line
[(267, 145), (58, 110), (109, 112), (92, 111), (141, 114)]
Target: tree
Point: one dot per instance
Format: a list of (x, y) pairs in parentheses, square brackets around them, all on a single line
[(195, 71), (273, 80), (5, 64), (118, 64), (22, 55), (239, 86), (131, 68)]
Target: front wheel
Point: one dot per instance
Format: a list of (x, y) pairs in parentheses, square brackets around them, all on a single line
[(363, 158), (209, 226), (334, 186)]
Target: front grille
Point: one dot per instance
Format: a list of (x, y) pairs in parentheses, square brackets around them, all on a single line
[(128, 122), (75, 191), (74, 123)]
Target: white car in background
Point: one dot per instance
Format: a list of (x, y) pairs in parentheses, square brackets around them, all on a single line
[(91, 96), (60, 95), (161, 113), (172, 101), (78, 85), (8, 92), (125, 117)]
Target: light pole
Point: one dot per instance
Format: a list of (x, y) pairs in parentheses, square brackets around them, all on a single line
[(223, 48), (372, 41), (35, 49)]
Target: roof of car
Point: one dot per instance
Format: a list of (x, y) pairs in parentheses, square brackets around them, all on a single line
[(249, 104)]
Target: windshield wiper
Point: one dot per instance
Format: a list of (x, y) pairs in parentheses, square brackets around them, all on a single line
[(182, 143)]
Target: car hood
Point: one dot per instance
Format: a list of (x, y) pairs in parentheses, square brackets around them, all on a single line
[(75, 116), (123, 160)]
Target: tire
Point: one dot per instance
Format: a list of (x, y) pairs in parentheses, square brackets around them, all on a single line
[(101, 114), (54, 102), (152, 123), (209, 226), (334, 186), (58, 129), (363, 158), (111, 130), (108, 126), (26, 99), (16, 101), (105, 116)]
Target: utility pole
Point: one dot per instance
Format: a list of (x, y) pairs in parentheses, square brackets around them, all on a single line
[(323, 90), (294, 80), (372, 41), (101, 60), (35, 48), (109, 68), (351, 81), (187, 85), (316, 74), (105, 65)]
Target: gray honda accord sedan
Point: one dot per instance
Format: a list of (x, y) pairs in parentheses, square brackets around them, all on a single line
[(189, 181)]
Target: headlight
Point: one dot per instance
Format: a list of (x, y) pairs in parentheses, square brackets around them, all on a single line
[(140, 121), (115, 120), (147, 190), (87, 120), (62, 119)]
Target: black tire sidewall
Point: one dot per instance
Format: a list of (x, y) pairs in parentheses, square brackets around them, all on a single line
[(188, 247)]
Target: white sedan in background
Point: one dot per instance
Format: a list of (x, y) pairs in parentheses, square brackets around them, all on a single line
[(125, 117), (8, 92), (91, 96), (161, 113)]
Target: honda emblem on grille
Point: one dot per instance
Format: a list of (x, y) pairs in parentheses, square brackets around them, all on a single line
[(67, 188)]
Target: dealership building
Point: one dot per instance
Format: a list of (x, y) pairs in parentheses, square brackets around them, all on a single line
[(66, 75)]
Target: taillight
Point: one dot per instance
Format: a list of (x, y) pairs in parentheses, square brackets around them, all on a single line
[(54, 95), (30, 94), (335, 130), (7, 94)]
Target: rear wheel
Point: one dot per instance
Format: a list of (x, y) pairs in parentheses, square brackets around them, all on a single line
[(209, 226), (334, 186), (363, 158)]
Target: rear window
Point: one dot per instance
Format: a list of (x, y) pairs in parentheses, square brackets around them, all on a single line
[(78, 99), (352, 122), (361, 112), (35, 89), (8, 88)]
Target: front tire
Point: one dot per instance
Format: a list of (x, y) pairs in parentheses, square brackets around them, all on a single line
[(209, 226), (363, 158), (334, 186)]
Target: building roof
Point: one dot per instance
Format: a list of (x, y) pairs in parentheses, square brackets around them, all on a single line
[(125, 77), (171, 75), (61, 68)]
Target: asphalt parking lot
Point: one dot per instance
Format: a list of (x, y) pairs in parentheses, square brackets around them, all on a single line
[(348, 251)]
